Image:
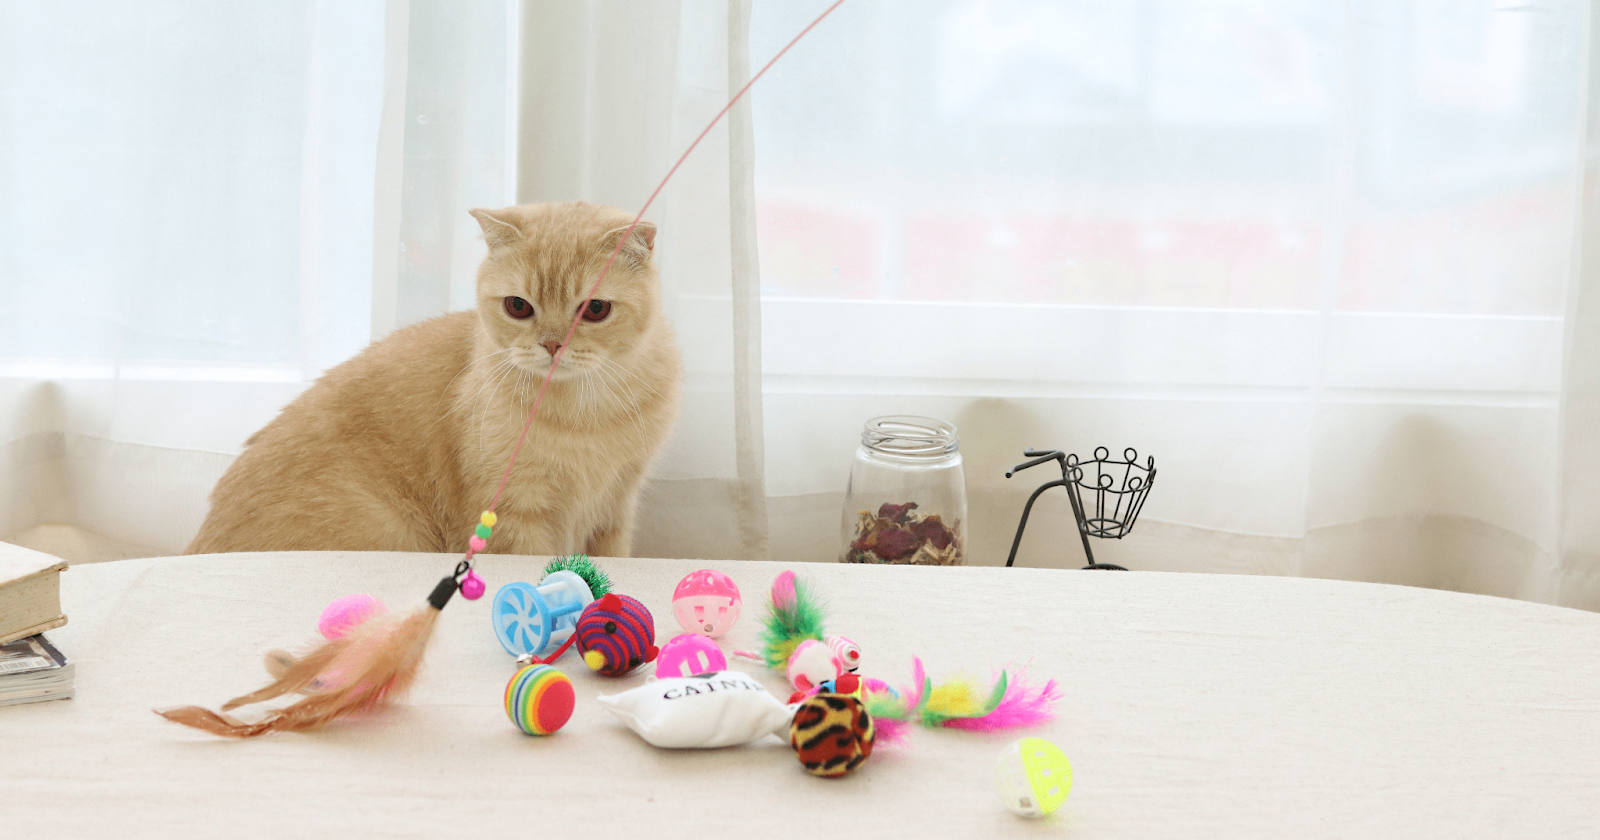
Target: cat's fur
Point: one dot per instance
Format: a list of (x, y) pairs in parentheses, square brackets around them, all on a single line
[(401, 447)]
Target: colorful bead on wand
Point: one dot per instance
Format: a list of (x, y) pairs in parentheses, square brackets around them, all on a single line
[(480, 535)]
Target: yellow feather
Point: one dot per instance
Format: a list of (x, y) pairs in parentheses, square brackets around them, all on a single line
[(953, 699)]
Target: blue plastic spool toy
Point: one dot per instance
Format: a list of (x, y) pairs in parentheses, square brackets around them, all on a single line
[(539, 619)]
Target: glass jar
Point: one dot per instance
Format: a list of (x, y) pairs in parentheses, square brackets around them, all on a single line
[(907, 499)]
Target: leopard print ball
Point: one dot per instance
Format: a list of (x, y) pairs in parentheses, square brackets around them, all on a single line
[(831, 733)]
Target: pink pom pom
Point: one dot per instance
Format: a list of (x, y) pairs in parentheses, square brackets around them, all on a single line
[(347, 613), (477, 543)]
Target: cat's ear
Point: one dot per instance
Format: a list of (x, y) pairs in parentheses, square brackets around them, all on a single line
[(639, 246), (647, 233), (498, 231)]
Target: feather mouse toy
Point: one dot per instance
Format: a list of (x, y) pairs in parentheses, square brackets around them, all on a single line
[(353, 673), (1009, 703), (794, 641)]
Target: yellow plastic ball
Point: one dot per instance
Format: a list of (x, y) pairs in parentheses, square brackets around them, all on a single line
[(1033, 777)]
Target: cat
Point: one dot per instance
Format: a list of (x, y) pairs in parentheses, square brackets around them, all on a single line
[(402, 447)]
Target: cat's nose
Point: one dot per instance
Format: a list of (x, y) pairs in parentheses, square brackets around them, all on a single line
[(552, 346)]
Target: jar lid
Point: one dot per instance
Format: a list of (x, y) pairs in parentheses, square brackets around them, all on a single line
[(910, 436)]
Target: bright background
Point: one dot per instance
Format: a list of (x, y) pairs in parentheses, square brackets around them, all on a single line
[(1330, 263)]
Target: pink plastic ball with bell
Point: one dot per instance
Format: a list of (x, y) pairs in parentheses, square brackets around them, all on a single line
[(689, 654), (706, 602), (348, 613)]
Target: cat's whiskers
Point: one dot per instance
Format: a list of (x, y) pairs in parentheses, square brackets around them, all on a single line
[(497, 378), (628, 403), (468, 366), (623, 369), (455, 405), (484, 385), (583, 399)]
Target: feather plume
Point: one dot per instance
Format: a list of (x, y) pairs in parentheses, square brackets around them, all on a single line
[(783, 590), (793, 617), (891, 716), (956, 699), (344, 676), (1020, 704), (1010, 703)]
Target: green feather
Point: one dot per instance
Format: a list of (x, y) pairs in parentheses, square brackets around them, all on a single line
[(787, 627), (887, 706), (995, 696), (580, 565)]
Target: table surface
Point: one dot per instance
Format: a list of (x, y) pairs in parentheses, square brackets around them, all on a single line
[(1194, 706)]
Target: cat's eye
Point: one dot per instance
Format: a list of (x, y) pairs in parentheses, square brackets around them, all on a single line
[(597, 310), (518, 308)]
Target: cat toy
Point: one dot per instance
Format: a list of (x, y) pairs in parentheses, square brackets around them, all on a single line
[(539, 699), (706, 602), (347, 613), (379, 659), (1011, 702), (795, 642), (831, 734), (540, 620), (1033, 777), (688, 654), (616, 634), (352, 673)]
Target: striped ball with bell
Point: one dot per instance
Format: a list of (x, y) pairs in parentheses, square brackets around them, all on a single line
[(616, 634)]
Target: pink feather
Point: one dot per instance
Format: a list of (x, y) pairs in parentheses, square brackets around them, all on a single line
[(783, 593), (913, 692), (891, 730), (1023, 705)]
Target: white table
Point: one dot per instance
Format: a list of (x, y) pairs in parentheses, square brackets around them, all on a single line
[(1196, 706)]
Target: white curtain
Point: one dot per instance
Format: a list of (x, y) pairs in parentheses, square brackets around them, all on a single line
[(186, 192), (1330, 263), (1317, 258), (209, 205)]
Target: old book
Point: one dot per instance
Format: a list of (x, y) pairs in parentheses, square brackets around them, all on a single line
[(30, 592), (32, 670)]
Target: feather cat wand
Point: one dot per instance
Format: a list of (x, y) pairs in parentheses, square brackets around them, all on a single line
[(379, 658)]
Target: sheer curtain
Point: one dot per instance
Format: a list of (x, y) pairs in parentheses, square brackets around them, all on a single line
[(1331, 263), (207, 206), (186, 192), (612, 94), (1317, 258)]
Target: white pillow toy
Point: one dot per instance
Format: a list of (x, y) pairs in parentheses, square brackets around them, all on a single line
[(720, 709)]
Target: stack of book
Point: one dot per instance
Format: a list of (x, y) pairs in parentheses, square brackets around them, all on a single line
[(31, 668)]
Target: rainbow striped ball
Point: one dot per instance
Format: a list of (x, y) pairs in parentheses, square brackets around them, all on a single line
[(616, 634), (539, 699)]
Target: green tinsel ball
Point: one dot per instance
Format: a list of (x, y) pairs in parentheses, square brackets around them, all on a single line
[(580, 565)]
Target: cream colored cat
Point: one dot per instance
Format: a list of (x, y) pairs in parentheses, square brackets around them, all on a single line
[(401, 447)]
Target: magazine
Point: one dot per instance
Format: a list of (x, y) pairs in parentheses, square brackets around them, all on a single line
[(32, 670)]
